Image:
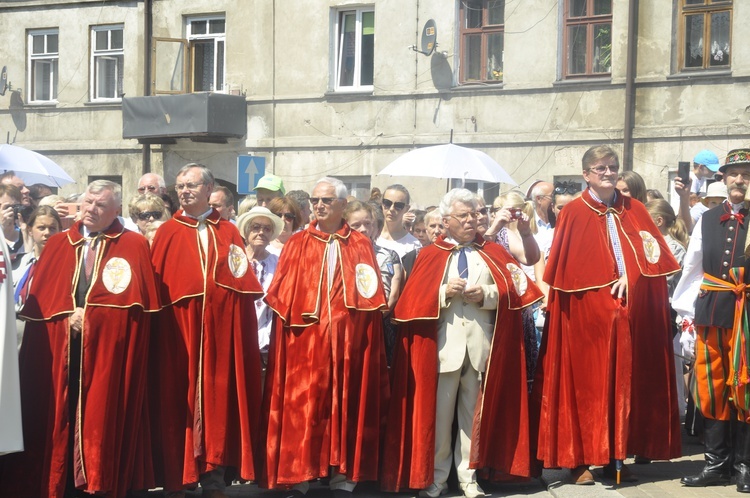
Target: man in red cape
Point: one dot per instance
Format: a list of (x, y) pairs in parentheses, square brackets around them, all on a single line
[(475, 326), (327, 382), (605, 384), (83, 359), (205, 395)]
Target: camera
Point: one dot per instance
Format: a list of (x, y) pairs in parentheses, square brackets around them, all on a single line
[(515, 213)]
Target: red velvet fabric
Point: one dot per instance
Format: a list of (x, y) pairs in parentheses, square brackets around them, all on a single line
[(500, 439), (605, 383), (205, 365), (326, 386), (109, 424)]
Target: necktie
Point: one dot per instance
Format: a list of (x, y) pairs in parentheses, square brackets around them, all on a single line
[(463, 265), (90, 257), (22, 290)]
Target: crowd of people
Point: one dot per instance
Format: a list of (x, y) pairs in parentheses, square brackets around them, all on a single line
[(295, 336)]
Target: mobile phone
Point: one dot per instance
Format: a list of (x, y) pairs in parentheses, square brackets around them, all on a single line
[(683, 171), (73, 208)]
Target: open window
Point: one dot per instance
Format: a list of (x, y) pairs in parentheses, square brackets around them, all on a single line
[(354, 49), (43, 65), (482, 40), (587, 38), (107, 58), (195, 63)]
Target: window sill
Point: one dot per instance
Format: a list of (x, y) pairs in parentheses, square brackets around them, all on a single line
[(347, 93), (104, 103), (478, 85), (702, 74), (42, 104), (595, 81)]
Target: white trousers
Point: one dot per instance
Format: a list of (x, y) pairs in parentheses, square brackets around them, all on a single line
[(460, 386)]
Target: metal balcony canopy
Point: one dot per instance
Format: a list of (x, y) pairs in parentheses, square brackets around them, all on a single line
[(201, 117)]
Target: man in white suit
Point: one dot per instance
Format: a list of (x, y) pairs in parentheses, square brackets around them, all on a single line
[(11, 435)]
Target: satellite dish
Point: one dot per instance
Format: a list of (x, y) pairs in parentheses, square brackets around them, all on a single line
[(429, 38), (3, 80)]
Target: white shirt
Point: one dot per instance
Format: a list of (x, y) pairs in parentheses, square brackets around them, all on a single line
[(403, 245)]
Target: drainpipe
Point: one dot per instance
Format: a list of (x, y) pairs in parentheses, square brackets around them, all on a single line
[(627, 141), (147, 55)]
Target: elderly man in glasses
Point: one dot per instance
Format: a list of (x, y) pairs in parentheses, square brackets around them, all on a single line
[(152, 183), (394, 235), (605, 384), (206, 364), (326, 382), (460, 350)]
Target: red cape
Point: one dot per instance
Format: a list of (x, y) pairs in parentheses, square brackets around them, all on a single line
[(605, 382), (500, 438), (111, 451), (326, 387), (205, 390)]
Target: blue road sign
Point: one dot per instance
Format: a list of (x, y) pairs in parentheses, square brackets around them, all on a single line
[(250, 169)]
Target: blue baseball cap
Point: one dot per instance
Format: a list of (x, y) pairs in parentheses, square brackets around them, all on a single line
[(707, 159)]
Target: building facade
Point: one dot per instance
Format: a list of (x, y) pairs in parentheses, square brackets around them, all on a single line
[(336, 87)]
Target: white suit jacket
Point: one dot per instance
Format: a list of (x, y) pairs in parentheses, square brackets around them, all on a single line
[(464, 326)]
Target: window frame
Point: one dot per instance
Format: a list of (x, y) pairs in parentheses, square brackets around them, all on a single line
[(52, 58), (109, 52), (589, 21), (484, 32), (218, 39), (336, 47), (708, 8)]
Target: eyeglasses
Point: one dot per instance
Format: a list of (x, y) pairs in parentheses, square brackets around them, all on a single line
[(325, 200), (398, 205), (257, 227), (147, 215), (483, 211), (187, 186), (602, 168), (289, 216), (463, 218), (150, 188)]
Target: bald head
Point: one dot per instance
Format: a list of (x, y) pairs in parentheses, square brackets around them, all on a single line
[(153, 183)]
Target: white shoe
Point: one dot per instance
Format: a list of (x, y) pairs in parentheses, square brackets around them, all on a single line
[(472, 490), (434, 490)]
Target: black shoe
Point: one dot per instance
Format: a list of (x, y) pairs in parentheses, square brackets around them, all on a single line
[(743, 478), (706, 478), (342, 493)]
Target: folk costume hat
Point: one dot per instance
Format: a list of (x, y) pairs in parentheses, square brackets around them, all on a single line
[(736, 157), (245, 219)]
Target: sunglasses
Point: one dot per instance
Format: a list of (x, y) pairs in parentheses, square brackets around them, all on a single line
[(398, 205), (325, 200), (290, 216), (567, 188), (147, 215)]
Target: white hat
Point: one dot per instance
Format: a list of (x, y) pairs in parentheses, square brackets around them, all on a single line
[(716, 189), (259, 211)]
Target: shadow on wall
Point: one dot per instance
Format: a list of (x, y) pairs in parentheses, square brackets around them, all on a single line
[(442, 74), (17, 111)]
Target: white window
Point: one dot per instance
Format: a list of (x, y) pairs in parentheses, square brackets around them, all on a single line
[(207, 39), (358, 186), (42, 70), (354, 49), (107, 55)]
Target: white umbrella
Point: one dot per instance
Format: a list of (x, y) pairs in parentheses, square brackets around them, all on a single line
[(32, 167), (449, 161)]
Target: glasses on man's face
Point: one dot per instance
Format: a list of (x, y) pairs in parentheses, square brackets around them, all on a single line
[(464, 217), (258, 227), (398, 205), (289, 216), (602, 169), (187, 186), (147, 215), (150, 188), (325, 200)]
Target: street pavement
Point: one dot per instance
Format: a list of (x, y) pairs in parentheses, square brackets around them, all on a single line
[(655, 480)]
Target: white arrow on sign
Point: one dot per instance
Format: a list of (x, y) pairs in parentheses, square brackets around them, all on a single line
[(251, 171)]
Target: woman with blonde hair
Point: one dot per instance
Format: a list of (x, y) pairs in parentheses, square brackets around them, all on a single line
[(146, 208)]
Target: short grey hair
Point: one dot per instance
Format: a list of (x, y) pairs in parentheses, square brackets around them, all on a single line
[(159, 179), (206, 176), (97, 186), (337, 184), (457, 195), (398, 188), (435, 213)]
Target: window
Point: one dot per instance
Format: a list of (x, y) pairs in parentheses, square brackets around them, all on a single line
[(482, 31), (207, 39), (358, 186), (355, 49), (587, 38), (43, 56), (107, 55), (705, 20)]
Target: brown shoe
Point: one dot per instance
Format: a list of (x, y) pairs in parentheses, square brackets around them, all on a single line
[(581, 476)]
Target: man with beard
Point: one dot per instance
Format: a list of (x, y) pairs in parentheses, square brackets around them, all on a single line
[(711, 299)]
